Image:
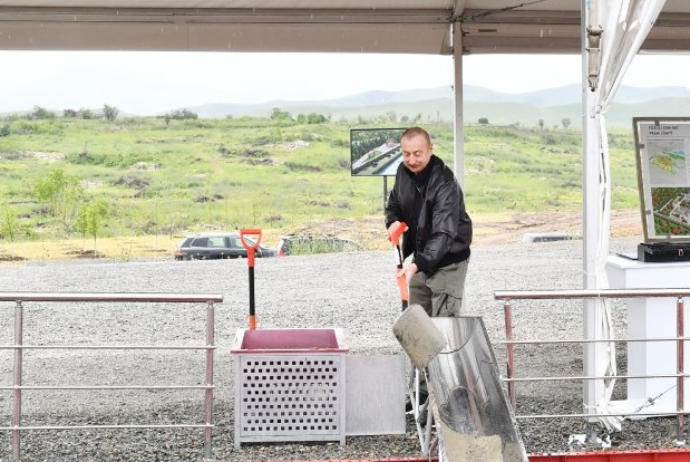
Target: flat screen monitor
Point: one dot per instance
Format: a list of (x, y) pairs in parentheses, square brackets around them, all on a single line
[(375, 151)]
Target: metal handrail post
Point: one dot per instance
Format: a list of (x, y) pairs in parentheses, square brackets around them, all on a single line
[(210, 338), (508, 313), (20, 297), (17, 404), (680, 398)]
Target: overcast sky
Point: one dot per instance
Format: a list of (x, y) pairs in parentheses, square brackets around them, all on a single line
[(151, 82)]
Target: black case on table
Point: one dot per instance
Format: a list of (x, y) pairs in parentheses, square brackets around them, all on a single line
[(664, 251)]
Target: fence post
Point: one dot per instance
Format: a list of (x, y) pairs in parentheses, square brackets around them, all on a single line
[(17, 405), (208, 404), (507, 309)]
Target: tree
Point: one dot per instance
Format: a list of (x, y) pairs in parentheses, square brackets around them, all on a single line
[(110, 112), (566, 123), (86, 114), (81, 223), (9, 223), (184, 114), (90, 219), (61, 192), (278, 114), (167, 118), (314, 118), (541, 124), (41, 113), (483, 121)]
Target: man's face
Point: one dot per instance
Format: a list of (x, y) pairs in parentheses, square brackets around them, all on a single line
[(416, 152)]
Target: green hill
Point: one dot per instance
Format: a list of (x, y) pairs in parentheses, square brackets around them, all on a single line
[(258, 172)]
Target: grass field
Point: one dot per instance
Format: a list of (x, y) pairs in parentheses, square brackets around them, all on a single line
[(168, 180)]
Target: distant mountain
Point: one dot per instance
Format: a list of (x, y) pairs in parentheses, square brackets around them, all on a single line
[(550, 105)]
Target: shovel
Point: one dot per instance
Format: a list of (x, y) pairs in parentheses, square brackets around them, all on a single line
[(402, 282), (251, 248)]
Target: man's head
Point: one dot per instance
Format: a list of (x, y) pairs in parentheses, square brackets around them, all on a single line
[(416, 148)]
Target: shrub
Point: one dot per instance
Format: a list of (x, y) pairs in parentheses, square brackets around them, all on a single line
[(41, 113)]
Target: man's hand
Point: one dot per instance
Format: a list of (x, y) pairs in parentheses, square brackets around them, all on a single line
[(408, 271), (392, 229), (395, 232)]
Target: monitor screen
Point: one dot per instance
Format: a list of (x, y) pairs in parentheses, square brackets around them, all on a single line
[(375, 151)]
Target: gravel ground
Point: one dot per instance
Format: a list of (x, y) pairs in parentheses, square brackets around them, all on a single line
[(355, 292)]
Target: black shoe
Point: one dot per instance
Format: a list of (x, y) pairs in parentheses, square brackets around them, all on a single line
[(423, 397)]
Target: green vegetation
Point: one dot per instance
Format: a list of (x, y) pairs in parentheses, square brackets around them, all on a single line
[(177, 174)]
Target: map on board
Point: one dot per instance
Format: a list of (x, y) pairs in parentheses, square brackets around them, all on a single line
[(664, 177), (671, 211), (667, 166)]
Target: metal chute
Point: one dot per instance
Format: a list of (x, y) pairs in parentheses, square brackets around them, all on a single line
[(468, 404), (474, 419)]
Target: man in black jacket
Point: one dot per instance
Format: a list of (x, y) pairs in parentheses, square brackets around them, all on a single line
[(428, 198)]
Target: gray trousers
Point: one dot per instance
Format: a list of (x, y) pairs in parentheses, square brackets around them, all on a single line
[(441, 294)]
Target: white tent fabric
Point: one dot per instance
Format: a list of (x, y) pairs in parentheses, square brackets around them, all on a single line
[(343, 26), (626, 24)]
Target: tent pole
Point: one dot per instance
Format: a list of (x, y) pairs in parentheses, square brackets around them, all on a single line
[(458, 109), (592, 389)]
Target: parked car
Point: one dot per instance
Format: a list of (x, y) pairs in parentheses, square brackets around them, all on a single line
[(209, 246), (314, 243)]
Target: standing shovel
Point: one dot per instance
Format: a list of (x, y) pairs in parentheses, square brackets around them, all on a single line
[(251, 248), (402, 282)]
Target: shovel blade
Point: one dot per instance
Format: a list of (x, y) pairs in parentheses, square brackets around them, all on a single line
[(418, 336)]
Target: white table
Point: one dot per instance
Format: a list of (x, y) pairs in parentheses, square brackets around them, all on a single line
[(652, 318)]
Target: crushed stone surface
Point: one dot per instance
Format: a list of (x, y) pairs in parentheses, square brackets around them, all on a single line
[(356, 292)]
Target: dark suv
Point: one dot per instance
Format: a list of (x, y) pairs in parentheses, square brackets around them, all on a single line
[(209, 246)]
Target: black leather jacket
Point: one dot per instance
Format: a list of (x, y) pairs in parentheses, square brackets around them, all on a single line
[(443, 228)]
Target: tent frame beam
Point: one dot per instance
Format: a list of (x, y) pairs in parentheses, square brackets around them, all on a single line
[(228, 15)]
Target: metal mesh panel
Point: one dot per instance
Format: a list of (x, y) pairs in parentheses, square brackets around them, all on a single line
[(290, 397)]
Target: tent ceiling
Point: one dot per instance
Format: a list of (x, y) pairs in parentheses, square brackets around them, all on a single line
[(377, 26)]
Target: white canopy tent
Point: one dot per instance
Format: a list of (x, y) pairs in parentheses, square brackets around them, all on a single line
[(446, 27), (614, 31), (369, 26)]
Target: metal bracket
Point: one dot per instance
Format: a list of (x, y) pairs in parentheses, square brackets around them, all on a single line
[(593, 47)]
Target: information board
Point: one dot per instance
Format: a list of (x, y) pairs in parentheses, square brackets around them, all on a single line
[(663, 173)]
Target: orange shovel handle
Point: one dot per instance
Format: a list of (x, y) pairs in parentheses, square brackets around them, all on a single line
[(250, 260), (251, 248), (404, 293), (395, 237)]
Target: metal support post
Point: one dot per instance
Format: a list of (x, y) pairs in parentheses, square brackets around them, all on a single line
[(385, 192), (17, 405), (508, 313), (680, 398), (208, 404)]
